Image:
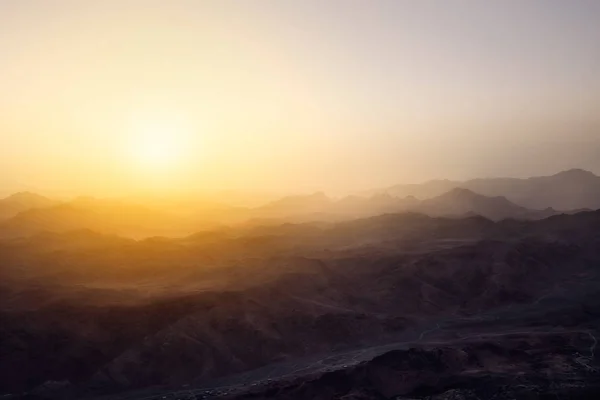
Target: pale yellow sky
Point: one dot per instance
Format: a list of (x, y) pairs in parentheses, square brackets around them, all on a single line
[(292, 96)]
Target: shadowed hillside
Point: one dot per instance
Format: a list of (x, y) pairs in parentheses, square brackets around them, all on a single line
[(103, 314)]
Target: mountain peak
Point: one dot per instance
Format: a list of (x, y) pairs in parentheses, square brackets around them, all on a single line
[(318, 195), (25, 196), (576, 173), (459, 192), (22, 201), (467, 194)]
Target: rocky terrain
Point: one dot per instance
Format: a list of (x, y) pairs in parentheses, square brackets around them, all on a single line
[(86, 315)]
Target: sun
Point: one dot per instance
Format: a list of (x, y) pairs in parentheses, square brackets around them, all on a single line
[(158, 144), (157, 149)]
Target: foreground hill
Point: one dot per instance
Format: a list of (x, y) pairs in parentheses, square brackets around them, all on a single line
[(499, 366), (83, 314)]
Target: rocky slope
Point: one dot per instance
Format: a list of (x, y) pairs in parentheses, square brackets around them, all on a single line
[(107, 314)]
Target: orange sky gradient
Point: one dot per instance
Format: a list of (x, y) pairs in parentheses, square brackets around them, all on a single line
[(123, 97)]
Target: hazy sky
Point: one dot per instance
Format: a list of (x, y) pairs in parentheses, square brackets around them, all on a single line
[(294, 95)]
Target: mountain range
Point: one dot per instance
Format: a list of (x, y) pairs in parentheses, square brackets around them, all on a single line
[(24, 214), (456, 202), (460, 295), (23, 201), (566, 190), (393, 306)]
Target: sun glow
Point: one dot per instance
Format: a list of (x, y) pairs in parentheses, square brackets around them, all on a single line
[(159, 144)]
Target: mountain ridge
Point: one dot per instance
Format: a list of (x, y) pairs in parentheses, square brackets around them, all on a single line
[(496, 198), (566, 190), (192, 310), (22, 201)]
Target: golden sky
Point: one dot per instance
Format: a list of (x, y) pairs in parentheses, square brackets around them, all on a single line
[(118, 96)]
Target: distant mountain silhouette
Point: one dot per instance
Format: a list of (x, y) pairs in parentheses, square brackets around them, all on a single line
[(26, 214), (104, 216), (457, 202), (60, 218), (567, 190), (22, 201), (464, 202), (294, 205)]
